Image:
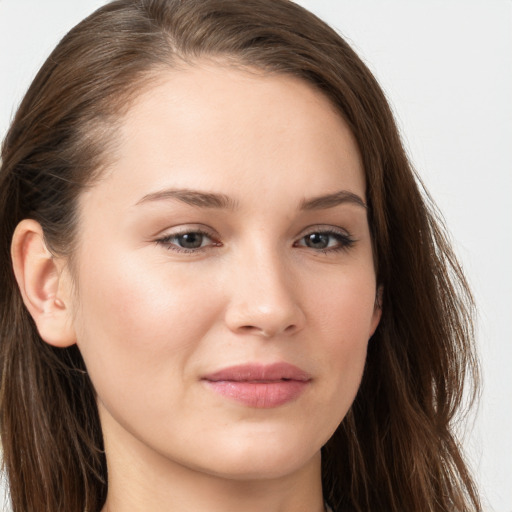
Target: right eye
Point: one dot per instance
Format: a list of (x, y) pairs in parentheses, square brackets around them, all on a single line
[(189, 241)]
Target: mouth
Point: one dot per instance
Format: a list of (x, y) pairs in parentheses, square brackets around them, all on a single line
[(259, 386)]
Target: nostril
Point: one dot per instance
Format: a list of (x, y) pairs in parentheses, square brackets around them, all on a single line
[(252, 329), (264, 318), (266, 332)]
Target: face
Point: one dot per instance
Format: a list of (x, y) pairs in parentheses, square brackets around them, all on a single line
[(225, 281)]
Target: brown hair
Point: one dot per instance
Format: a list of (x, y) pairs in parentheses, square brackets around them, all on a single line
[(395, 449)]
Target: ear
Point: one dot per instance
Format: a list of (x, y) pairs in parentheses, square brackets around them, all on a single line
[(45, 288), (377, 310)]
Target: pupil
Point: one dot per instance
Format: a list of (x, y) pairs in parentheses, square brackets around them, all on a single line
[(317, 241), (191, 240)]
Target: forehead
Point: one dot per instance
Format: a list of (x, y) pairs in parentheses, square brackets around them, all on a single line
[(236, 130)]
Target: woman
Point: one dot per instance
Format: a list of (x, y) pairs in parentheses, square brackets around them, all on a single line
[(227, 290)]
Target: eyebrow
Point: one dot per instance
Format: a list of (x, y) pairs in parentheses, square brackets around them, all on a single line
[(331, 200), (223, 201), (193, 198)]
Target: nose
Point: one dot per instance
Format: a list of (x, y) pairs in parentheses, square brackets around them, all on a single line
[(264, 298)]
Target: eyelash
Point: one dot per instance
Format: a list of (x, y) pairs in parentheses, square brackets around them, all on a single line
[(345, 241)]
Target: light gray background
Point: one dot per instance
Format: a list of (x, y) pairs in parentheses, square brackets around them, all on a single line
[(446, 66)]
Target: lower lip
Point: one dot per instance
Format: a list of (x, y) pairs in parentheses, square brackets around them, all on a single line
[(261, 395)]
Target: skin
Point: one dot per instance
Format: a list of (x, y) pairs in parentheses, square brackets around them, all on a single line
[(151, 318)]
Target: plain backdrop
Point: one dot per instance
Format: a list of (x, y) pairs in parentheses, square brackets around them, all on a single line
[(446, 66)]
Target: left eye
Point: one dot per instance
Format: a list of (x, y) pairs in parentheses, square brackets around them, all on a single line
[(322, 240)]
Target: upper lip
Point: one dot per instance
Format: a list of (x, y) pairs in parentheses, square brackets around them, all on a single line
[(259, 373)]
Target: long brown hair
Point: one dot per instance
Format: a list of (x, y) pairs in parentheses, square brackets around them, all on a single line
[(395, 450)]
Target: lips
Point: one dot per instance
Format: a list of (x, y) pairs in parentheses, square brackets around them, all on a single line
[(259, 386)]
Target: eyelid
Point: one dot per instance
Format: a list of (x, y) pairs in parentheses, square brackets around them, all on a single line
[(324, 228)]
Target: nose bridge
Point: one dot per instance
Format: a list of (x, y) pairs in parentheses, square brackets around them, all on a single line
[(264, 299)]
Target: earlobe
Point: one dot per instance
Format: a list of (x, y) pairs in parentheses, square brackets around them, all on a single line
[(42, 286)]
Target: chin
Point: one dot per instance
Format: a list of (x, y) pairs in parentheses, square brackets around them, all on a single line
[(261, 459)]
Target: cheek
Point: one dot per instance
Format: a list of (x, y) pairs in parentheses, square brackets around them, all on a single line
[(343, 320), (137, 323), (344, 307)]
